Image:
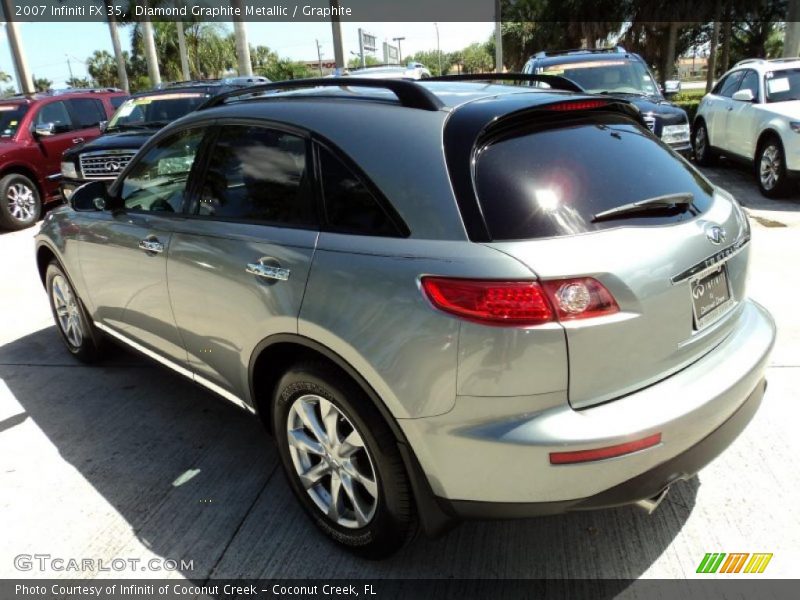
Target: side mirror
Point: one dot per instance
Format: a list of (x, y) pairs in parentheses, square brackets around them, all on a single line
[(745, 95), (102, 125), (92, 196), (44, 129), (671, 87)]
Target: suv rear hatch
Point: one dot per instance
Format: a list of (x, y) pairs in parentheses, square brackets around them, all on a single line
[(593, 194)]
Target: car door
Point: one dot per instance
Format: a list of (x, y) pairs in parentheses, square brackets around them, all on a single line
[(52, 146), (741, 124), (87, 113), (124, 250), (238, 266), (718, 104)]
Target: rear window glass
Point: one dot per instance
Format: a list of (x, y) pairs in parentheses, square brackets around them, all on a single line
[(552, 182), (10, 116)]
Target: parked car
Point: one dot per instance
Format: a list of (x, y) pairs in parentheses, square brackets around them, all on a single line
[(616, 72), (134, 123), (35, 130), (410, 71), (753, 115), (550, 315)]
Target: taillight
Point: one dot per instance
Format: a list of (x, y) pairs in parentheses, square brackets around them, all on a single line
[(580, 298), (519, 303), (576, 105), (493, 302)]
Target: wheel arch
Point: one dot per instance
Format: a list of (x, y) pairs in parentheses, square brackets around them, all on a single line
[(25, 171), (44, 255), (766, 133), (273, 355)]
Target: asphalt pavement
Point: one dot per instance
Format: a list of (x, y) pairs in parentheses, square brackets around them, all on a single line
[(127, 460)]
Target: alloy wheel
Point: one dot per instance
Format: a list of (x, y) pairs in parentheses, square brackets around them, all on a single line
[(770, 167), (700, 141), (332, 461), (67, 312), (21, 202)]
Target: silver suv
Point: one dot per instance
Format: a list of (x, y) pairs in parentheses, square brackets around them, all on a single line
[(446, 299)]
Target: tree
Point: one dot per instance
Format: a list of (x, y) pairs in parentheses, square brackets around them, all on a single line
[(355, 62), (477, 58), (79, 82), (102, 68), (430, 58), (41, 84)]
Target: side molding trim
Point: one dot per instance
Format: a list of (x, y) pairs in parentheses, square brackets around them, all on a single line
[(176, 367)]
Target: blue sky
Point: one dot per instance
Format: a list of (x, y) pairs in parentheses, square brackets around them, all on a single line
[(49, 46)]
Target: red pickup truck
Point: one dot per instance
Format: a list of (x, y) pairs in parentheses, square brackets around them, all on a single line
[(34, 132)]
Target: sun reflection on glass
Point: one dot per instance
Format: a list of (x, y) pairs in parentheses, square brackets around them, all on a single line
[(547, 199)]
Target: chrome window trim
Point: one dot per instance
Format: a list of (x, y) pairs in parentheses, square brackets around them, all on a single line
[(176, 367)]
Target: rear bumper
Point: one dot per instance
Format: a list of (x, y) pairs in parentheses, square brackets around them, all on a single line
[(647, 485), (495, 450)]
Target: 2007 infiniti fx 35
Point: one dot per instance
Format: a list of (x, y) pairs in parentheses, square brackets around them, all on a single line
[(446, 299)]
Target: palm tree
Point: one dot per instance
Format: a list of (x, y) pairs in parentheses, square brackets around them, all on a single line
[(242, 47), (122, 73)]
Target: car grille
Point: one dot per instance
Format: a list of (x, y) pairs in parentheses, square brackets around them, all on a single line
[(650, 121), (105, 165)]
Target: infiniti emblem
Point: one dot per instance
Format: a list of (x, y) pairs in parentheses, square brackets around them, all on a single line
[(112, 166), (715, 234)]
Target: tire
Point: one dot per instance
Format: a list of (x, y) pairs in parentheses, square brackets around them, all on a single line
[(362, 470), (20, 202), (703, 153), (771, 175), (80, 337)]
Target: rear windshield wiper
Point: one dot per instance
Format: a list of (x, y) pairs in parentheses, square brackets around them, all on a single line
[(658, 204)]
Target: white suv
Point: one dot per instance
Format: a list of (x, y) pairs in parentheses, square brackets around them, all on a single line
[(753, 114)]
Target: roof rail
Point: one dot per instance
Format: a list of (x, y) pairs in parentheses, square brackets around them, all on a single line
[(605, 50), (410, 94), (554, 81), (784, 59)]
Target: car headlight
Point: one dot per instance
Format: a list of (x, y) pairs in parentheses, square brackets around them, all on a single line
[(672, 134), (68, 170)]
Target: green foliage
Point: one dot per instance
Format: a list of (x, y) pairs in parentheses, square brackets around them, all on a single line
[(430, 58), (283, 69), (41, 84), (79, 82), (476, 58), (690, 106), (369, 59), (102, 68)]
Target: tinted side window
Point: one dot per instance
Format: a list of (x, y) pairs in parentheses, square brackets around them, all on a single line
[(56, 113), (157, 182), (86, 112), (257, 174), (750, 82), (552, 181), (117, 101), (349, 205), (730, 84)]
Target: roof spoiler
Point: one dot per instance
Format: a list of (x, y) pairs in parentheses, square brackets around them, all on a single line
[(554, 81)]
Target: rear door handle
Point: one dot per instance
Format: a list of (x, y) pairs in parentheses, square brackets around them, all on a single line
[(267, 271), (77, 140), (153, 246)]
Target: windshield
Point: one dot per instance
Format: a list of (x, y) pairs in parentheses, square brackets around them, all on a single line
[(158, 109), (10, 116), (613, 75), (783, 85)]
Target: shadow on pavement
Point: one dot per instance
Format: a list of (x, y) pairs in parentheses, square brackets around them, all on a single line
[(134, 431), (740, 180)]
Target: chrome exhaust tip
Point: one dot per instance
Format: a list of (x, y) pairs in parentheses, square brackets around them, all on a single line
[(650, 504)]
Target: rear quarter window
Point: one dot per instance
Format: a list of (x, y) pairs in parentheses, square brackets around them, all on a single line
[(552, 181)]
